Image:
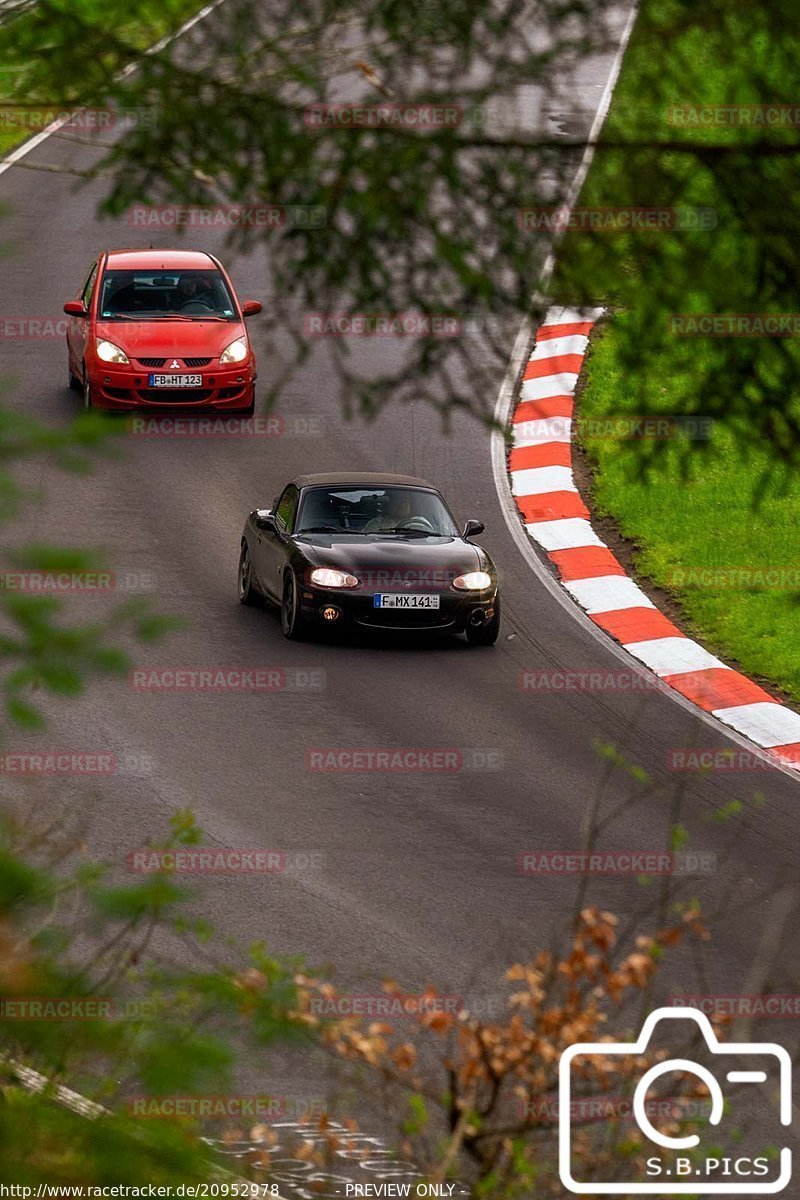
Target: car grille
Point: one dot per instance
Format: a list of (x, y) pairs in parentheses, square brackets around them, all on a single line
[(189, 362), (405, 618), (174, 395)]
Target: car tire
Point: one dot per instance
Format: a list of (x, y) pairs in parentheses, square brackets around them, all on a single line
[(87, 392), (248, 593), (292, 623), (487, 633), (73, 382)]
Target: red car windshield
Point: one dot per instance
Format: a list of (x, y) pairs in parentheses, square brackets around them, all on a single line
[(145, 295)]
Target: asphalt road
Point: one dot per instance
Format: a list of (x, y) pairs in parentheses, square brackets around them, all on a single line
[(418, 877)]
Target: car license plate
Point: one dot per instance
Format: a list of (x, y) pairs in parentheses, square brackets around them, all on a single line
[(175, 381), (405, 600)]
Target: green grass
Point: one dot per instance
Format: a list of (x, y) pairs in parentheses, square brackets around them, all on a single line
[(733, 500), (137, 26), (707, 520)]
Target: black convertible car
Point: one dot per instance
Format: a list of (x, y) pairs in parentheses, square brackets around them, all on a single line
[(368, 551)]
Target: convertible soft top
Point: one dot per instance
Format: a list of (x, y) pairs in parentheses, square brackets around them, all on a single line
[(359, 479)]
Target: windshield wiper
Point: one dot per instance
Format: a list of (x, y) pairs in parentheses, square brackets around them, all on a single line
[(209, 317), (322, 529), (404, 529), (137, 316)]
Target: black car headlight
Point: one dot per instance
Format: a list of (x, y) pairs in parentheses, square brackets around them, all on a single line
[(473, 581), (328, 577)]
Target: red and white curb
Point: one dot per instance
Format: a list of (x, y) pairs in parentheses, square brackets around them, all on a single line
[(557, 519)]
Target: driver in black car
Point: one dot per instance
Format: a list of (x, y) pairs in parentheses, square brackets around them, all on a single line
[(397, 509)]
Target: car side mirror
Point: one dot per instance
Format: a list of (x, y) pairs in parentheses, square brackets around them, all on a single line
[(251, 308), (74, 308), (472, 528), (263, 518)]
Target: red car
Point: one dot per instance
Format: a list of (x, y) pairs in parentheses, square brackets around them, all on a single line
[(160, 329)]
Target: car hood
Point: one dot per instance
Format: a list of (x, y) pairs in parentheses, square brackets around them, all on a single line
[(355, 553), (176, 339)]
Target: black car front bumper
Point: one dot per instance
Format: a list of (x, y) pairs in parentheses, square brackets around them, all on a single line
[(357, 609)]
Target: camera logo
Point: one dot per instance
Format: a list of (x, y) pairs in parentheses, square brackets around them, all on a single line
[(678, 1165)]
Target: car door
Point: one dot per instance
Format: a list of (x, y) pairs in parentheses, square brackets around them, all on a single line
[(273, 546), (78, 327)]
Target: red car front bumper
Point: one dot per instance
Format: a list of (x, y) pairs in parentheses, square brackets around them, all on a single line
[(126, 388)]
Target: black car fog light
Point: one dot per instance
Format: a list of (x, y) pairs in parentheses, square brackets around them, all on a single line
[(331, 613)]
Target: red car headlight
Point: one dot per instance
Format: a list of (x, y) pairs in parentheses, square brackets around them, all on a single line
[(109, 353), (236, 352)]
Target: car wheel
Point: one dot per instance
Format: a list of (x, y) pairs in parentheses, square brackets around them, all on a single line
[(74, 383), (487, 633), (291, 617), (248, 593), (87, 392)]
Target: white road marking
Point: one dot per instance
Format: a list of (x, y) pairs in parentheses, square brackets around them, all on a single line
[(607, 593), (562, 384), (545, 429), (568, 533), (535, 481), (573, 343), (674, 655), (764, 723)]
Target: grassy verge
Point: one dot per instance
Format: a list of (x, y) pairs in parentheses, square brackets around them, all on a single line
[(137, 26), (714, 519), (733, 568)]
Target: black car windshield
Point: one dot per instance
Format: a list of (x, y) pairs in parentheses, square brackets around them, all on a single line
[(393, 511), (146, 295)]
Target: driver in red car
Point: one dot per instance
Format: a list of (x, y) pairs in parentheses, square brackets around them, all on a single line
[(194, 289)]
